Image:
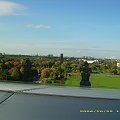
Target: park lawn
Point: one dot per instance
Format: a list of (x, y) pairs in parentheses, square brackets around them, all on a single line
[(105, 81), (96, 81), (73, 80)]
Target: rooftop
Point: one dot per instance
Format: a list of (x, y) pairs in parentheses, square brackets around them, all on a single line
[(20, 101)]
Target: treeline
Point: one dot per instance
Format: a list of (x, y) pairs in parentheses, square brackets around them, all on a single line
[(18, 70), (45, 68), (48, 68), (106, 66)]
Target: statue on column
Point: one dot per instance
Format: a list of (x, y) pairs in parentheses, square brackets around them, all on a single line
[(85, 74), (27, 73)]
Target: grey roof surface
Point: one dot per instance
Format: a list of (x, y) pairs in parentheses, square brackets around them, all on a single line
[(21, 106), (44, 102)]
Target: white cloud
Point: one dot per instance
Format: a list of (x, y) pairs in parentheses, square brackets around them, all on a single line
[(38, 26), (10, 8)]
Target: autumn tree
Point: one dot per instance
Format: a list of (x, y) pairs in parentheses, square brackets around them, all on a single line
[(45, 73)]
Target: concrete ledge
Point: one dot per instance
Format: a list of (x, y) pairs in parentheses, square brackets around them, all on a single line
[(63, 91)]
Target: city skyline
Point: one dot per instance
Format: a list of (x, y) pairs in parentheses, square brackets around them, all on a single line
[(74, 28)]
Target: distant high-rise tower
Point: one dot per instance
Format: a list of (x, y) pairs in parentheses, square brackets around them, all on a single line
[(61, 57)]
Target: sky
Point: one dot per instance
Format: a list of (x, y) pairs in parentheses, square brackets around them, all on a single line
[(72, 27)]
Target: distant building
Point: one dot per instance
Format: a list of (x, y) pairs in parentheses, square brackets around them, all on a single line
[(1, 55), (90, 61), (118, 65), (50, 55)]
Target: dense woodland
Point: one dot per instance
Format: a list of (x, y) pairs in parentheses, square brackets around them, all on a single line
[(49, 69)]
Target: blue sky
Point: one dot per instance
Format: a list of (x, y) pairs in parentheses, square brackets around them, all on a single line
[(73, 27)]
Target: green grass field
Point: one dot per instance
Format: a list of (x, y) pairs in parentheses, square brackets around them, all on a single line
[(105, 81)]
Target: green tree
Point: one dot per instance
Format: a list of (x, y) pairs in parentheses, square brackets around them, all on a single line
[(53, 74), (22, 70), (16, 75), (4, 71), (27, 77)]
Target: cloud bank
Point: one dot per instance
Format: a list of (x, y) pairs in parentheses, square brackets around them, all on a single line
[(10, 8), (38, 26)]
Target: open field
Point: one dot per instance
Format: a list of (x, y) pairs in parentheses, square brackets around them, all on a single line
[(108, 81)]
